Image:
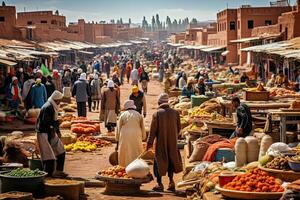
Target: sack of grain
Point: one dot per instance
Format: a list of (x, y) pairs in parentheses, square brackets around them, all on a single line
[(199, 151), (252, 149), (240, 152), (33, 113), (266, 142)]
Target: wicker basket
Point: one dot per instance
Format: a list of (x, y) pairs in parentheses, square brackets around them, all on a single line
[(256, 96)]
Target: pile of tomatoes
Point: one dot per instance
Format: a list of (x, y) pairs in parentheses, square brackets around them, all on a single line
[(255, 181)]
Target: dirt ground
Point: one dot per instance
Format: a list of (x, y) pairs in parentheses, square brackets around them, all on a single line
[(86, 165)]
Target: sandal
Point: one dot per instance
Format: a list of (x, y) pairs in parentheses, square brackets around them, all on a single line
[(158, 188), (171, 187)]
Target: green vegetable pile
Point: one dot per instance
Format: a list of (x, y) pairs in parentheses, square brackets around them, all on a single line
[(23, 173)]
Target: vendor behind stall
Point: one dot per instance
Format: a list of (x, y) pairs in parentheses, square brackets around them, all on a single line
[(188, 90), (201, 87), (244, 122), (48, 137)]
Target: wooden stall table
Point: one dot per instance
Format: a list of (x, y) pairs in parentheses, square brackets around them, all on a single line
[(254, 105), (283, 114), (212, 196), (213, 125)]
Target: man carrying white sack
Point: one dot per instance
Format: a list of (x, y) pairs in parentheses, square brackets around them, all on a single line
[(130, 134), (48, 137)]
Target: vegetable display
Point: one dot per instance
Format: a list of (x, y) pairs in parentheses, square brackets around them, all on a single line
[(255, 181), (98, 142), (81, 128), (23, 173)]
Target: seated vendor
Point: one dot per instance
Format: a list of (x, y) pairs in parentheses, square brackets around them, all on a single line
[(188, 90), (244, 78), (244, 122), (201, 87)]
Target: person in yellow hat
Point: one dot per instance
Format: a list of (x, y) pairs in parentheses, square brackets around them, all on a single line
[(139, 100)]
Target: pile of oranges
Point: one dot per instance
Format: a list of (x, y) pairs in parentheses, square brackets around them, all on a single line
[(114, 172), (255, 181)]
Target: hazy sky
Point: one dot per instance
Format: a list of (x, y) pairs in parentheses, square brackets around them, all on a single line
[(98, 10)]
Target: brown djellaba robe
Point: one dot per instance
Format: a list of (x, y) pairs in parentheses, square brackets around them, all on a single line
[(165, 127)]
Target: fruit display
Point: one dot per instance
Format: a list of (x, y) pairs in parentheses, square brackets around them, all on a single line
[(280, 163), (295, 105), (23, 173), (211, 106), (199, 112), (81, 146), (114, 172), (65, 124), (98, 142), (296, 158), (69, 109), (81, 128), (255, 180), (281, 92)]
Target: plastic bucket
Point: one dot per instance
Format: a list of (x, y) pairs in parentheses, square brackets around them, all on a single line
[(35, 164), (33, 185)]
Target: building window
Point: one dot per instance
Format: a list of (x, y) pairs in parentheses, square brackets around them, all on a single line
[(29, 23), (232, 26), (2, 19), (43, 22), (225, 26), (54, 22), (250, 24), (280, 28), (268, 22)]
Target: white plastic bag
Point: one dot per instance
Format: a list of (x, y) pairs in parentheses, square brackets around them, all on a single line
[(277, 148), (138, 169)]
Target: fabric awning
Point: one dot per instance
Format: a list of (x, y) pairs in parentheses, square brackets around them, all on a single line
[(86, 52), (224, 53), (252, 39), (7, 62), (214, 49)]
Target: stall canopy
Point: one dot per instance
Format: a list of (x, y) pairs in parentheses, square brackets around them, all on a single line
[(214, 49), (287, 49), (7, 62), (253, 39)]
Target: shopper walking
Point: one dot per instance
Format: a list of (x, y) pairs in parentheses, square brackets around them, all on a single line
[(14, 96), (165, 127), (96, 92), (38, 94), (50, 87), (130, 134), (139, 100), (110, 105), (26, 92), (144, 79), (81, 90)]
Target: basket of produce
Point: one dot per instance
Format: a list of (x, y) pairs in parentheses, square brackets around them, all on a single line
[(279, 167), (23, 180), (255, 184), (256, 94), (68, 189), (118, 175)]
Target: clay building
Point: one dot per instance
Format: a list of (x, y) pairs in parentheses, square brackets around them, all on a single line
[(234, 24), (8, 23), (288, 25)]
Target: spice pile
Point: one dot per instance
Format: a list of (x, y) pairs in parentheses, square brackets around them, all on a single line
[(255, 181)]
